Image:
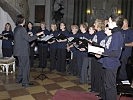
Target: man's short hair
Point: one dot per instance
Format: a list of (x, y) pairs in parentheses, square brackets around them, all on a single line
[(20, 19), (118, 19)]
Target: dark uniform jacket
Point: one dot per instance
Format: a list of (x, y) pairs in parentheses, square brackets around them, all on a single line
[(21, 41)]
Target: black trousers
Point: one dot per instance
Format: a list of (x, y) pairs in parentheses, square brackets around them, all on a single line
[(79, 63), (7, 52), (122, 73), (43, 52), (73, 69), (31, 56), (96, 76), (86, 70), (110, 91), (53, 58), (61, 59), (23, 69)]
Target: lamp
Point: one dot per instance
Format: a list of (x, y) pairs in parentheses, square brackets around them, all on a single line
[(119, 11), (88, 11)]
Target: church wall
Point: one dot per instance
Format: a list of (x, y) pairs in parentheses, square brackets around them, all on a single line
[(4, 18), (47, 4)]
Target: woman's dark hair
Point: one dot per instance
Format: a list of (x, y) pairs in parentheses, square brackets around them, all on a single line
[(30, 23), (20, 19), (63, 23)]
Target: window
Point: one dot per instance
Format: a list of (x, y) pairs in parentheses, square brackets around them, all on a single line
[(39, 13)]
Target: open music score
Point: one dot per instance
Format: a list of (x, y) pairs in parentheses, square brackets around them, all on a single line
[(96, 50), (4, 36), (46, 38)]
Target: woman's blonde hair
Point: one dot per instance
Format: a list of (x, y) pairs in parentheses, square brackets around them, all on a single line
[(84, 26), (74, 26), (100, 24)]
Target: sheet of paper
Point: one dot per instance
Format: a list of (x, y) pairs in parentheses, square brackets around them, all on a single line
[(70, 39), (94, 49), (47, 37), (126, 82)]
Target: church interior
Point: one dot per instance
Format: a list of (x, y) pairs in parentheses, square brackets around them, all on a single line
[(56, 84)]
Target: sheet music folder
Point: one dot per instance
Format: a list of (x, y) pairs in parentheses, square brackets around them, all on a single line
[(96, 50), (46, 38)]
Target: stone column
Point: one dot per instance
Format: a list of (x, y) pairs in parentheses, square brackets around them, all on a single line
[(68, 12), (48, 13), (31, 10)]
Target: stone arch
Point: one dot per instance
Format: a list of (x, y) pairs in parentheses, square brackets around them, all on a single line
[(12, 11)]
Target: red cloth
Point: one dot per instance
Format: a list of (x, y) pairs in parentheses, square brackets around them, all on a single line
[(73, 95), (126, 98)]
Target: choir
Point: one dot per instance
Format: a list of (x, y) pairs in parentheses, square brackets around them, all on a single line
[(100, 70)]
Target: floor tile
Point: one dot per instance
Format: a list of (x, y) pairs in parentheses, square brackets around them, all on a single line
[(2, 88), (1, 82), (53, 92), (76, 82), (41, 90), (7, 80), (84, 86), (45, 82), (4, 95), (36, 89), (53, 75), (13, 86), (35, 83), (66, 84), (18, 92), (75, 88), (59, 79), (26, 97), (52, 87), (42, 96), (71, 77)]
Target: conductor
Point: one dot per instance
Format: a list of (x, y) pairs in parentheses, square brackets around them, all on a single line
[(21, 50)]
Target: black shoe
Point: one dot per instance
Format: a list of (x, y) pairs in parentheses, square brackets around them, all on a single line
[(27, 85), (19, 81)]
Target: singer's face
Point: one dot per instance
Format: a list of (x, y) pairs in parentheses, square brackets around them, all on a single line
[(7, 26), (125, 24), (91, 30), (42, 26), (53, 27), (82, 28), (62, 26), (111, 24), (29, 25), (74, 30), (96, 26)]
